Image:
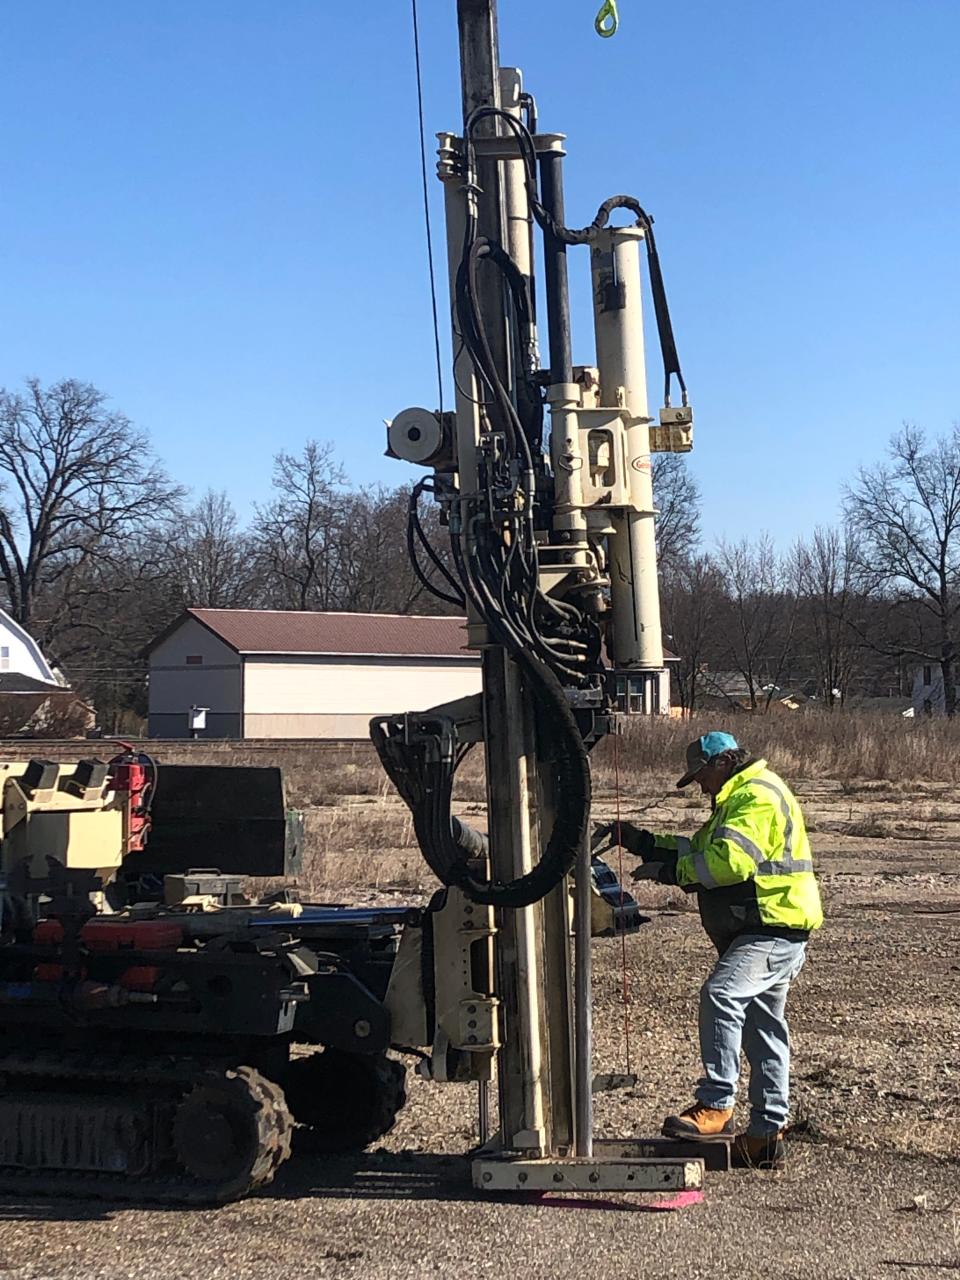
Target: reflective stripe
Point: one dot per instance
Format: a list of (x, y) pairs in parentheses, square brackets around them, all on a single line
[(702, 871), (784, 809), (683, 844), (794, 867), (743, 842), (787, 865)]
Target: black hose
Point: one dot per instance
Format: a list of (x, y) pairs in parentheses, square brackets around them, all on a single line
[(493, 541), (587, 235), (416, 534), (425, 783)]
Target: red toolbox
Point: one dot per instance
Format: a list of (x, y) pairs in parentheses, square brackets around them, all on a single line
[(144, 935)]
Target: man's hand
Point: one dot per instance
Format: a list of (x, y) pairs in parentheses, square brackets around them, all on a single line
[(634, 839), (647, 871), (664, 872)]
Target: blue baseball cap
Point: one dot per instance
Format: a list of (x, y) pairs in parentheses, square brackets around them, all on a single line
[(703, 750)]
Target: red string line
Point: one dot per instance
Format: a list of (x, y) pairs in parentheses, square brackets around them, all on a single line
[(625, 994)]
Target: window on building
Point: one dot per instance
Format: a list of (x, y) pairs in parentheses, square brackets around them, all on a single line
[(621, 693), (630, 695), (927, 676), (4, 657), (194, 659)]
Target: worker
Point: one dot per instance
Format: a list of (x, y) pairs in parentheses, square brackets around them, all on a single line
[(750, 865)]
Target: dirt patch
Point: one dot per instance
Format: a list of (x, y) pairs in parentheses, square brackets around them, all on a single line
[(876, 1025)]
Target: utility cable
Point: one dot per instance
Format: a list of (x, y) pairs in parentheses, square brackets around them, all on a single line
[(426, 206)]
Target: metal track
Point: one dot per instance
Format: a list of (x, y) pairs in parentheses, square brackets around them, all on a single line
[(172, 1078)]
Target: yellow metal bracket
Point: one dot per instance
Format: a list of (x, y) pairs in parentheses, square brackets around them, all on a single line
[(607, 20)]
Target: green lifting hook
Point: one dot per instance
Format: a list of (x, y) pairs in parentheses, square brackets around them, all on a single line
[(607, 20)]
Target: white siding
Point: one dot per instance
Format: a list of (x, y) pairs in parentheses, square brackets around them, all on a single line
[(22, 652), (176, 686), (300, 696), (927, 695), (633, 704)]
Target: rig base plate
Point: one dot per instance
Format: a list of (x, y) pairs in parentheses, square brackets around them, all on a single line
[(575, 1173)]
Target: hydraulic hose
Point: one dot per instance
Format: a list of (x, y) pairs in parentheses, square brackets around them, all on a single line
[(424, 780)]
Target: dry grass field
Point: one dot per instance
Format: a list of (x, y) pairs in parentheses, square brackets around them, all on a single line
[(872, 1185)]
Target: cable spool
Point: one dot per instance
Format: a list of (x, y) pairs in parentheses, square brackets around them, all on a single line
[(420, 436)]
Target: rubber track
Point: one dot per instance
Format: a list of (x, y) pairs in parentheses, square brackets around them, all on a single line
[(180, 1074), (390, 1077), (394, 1076)]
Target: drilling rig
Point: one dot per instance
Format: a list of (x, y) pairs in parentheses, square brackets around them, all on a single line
[(543, 476), (166, 1037)]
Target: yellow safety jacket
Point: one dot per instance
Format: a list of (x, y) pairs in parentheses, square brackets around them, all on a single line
[(751, 863)]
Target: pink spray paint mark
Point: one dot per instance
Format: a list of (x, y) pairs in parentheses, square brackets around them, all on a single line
[(682, 1200)]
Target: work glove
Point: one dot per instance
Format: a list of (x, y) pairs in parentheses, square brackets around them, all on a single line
[(635, 840), (661, 867)]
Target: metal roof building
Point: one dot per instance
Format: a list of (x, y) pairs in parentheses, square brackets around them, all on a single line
[(264, 673)]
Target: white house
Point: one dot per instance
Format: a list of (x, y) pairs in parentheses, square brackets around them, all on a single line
[(34, 700), (263, 673), (927, 694), (20, 655), (630, 689)]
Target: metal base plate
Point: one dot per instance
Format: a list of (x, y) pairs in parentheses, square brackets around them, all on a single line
[(714, 1152), (578, 1174)]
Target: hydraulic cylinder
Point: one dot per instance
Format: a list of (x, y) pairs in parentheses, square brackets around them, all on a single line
[(618, 325)]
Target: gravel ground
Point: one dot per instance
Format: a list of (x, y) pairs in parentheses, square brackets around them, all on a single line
[(876, 1067)]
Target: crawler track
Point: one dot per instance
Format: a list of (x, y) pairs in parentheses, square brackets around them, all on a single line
[(105, 1126)]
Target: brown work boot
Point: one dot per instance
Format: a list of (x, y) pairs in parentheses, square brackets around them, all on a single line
[(699, 1121), (758, 1151)]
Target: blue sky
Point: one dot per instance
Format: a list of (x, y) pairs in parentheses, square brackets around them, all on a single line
[(212, 211)]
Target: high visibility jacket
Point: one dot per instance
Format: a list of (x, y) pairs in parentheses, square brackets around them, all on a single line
[(751, 862)]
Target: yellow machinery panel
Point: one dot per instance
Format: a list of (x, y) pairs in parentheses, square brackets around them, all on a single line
[(62, 811)]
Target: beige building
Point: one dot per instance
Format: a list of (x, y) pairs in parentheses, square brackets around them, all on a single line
[(262, 673)]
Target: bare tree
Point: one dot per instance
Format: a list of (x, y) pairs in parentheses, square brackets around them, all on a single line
[(116, 603), (74, 478), (832, 609), (677, 498), (906, 513), (213, 558), (377, 571), (692, 596), (322, 545), (761, 614), (298, 536)]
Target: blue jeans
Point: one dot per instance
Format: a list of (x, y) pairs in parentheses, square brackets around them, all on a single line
[(743, 1003)]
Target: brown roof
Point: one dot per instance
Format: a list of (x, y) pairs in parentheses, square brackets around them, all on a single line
[(375, 634), (278, 631)]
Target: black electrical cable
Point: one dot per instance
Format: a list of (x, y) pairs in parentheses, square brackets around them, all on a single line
[(528, 104), (475, 339)]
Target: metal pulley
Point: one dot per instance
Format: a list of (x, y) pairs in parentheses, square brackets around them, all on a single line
[(423, 437)]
